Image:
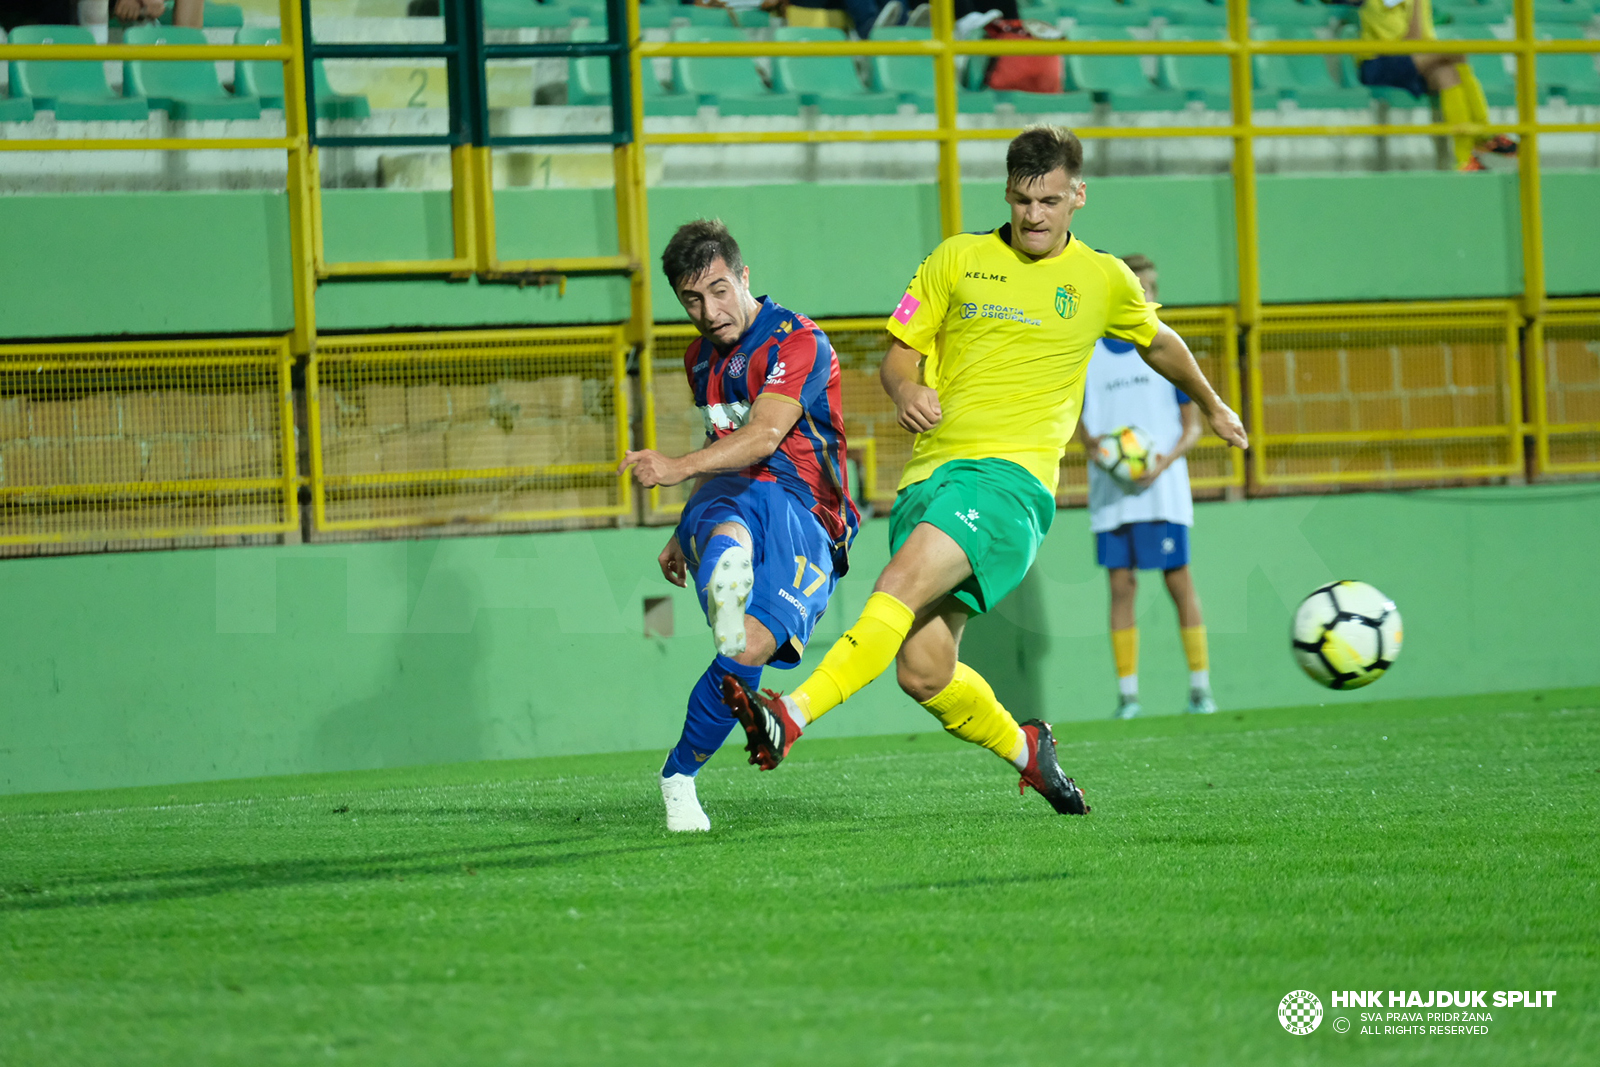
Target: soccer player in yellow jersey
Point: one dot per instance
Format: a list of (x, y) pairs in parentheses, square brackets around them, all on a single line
[(990, 346), (1449, 75)]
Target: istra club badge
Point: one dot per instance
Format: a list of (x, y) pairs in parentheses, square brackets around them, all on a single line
[(1066, 301)]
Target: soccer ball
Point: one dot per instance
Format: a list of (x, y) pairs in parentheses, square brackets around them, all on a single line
[(1124, 453), (1346, 634)]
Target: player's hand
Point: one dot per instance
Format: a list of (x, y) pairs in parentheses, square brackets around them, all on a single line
[(917, 408), (674, 567), (1157, 467), (1227, 425), (652, 468)]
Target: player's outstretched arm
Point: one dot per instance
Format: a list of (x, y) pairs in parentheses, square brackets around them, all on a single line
[(771, 417), (916, 405), (1170, 357)]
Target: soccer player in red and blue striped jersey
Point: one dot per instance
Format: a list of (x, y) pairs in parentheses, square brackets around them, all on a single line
[(768, 528)]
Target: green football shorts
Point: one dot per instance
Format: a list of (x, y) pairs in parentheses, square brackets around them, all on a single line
[(994, 509)]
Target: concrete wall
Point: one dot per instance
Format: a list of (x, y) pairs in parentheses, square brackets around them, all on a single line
[(174, 263), (164, 667)]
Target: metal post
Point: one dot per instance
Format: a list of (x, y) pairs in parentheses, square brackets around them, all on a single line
[(944, 105), (1533, 295), (633, 221), (1244, 167), (304, 226)]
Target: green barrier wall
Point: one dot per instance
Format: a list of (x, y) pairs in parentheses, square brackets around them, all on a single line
[(163, 667), (171, 263)]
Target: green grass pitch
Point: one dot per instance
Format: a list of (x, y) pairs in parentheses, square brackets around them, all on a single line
[(878, 901)]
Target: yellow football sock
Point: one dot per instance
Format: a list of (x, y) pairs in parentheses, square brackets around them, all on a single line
[(856, 658), (1125, 649), (1194, 648), (1457, 108), (969, 710)]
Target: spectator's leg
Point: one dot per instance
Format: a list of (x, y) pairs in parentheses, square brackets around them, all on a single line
[(1443, 75), (189, 13), (863, 13)]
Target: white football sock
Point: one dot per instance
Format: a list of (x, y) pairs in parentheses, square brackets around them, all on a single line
[(1200, 680), (1128, 685)]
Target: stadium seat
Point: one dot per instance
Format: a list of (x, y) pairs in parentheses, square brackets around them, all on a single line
[(828, 82), (911, 77), (1120, 82), (263, 79), (1307, 80), (709, 17), (1288, 15), (183, 89), (751, 18), (528, 15), (1571, 76), (1208, 79), (731, 83), (1549, 14), (214, 16), (589, 82), (1103, 13), (1470, 13), (14, 108), (1192, 13), (75, 90)]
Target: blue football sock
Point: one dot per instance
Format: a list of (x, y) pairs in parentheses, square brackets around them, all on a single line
[(709, 721), (709, 557)]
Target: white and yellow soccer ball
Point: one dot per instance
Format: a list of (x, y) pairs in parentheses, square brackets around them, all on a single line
[(1346, 634), (1125, 454)]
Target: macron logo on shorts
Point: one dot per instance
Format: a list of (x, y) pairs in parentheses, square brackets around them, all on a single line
[(908, 307)]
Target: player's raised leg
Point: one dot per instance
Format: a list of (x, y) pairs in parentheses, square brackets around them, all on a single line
[(923, 569)]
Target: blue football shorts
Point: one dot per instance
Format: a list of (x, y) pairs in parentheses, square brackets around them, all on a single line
[(793, 556), (1398, 72), (1145, 546)]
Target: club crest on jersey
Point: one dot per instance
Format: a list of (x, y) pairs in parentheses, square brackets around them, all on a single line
[(737, 364), (1066, 301)]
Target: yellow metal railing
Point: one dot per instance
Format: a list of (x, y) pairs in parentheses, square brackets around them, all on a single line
[(147, 440), (1561, 418)]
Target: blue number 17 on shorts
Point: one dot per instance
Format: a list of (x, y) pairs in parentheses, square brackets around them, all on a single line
[(794, 567)]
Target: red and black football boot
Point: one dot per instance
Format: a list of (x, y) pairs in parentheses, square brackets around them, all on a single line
[(1044, 773), (1499, 144), (770, 725)]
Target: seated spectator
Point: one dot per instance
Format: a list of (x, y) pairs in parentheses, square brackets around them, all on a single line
[(14, 13), (1448, 75)]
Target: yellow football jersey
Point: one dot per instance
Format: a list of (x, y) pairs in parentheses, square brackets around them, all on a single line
[(1006, 340), (1385, 21)]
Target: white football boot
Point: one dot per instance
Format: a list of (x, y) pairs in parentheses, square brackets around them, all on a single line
[(683, 807), (726, 596), (1200, 703), (1127, 707)]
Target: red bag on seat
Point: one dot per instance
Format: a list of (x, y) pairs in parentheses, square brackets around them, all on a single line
[(1028, 74)]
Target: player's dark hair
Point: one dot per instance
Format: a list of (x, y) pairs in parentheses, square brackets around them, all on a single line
[(1038, 150), (695, 247), (1139, 263)]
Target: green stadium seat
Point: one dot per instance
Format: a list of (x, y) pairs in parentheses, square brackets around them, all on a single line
[(1470, 13), (528, 15), (1549, 14), (263, 79), (589, 82), (213, 17), (14, 108), (1120, 82), (1192, 13), (911, 77), (1571, 76), (752, 18), (1208, 79), (1308, 82), (1290, 14), (828, 82), (655, 17), (730, 82), (1104, 13), (186, 89), (75, 90), (709, 17)]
